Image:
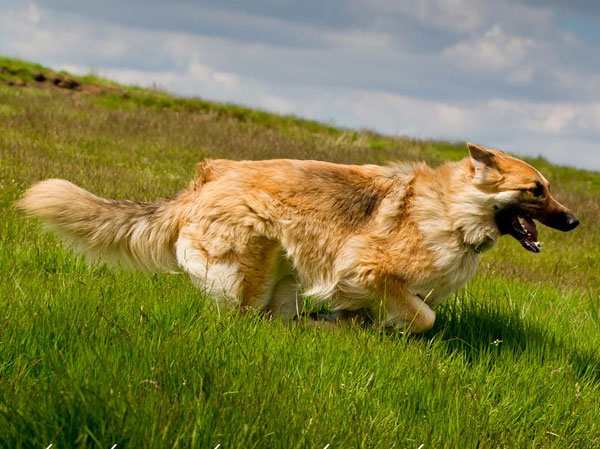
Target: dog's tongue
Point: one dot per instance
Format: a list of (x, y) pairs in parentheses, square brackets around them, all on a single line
[(530, 226), (529, 242)]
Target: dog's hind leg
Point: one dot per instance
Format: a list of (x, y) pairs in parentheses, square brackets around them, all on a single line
[(219, 278), (286, 301), (235, 276), (259, 266)]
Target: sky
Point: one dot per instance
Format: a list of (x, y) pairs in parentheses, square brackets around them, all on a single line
[(521, 76)]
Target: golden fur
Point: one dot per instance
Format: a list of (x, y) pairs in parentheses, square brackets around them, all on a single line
[(394, 240)]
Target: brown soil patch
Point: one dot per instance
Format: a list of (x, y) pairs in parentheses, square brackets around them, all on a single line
[(54, 81)]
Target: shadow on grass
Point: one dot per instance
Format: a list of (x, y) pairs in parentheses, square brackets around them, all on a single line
[(479, 330)]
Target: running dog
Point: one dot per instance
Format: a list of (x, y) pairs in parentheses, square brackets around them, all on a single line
[(393, 240)]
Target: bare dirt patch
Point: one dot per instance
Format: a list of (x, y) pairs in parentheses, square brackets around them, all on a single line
[(52, 81), (48, 80)]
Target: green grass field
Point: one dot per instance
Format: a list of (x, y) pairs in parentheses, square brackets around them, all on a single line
[(92, 356)]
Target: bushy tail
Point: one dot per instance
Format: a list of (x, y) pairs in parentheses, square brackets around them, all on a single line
[(139, 235)]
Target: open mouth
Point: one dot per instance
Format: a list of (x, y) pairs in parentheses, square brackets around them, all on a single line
[(521, 226)]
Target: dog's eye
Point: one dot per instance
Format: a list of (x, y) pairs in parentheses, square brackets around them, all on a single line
[(538, 190)]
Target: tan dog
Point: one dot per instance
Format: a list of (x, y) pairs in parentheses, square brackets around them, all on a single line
[(394, 240)]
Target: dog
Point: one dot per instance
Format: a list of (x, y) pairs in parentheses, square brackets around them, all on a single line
[(393, 240)]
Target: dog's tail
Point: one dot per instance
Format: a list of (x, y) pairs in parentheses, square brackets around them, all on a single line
[(139, 235)]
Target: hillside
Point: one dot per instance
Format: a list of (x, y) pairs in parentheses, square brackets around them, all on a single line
[(92, 356)]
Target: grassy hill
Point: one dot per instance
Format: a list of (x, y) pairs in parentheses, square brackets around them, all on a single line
[(92, 357)]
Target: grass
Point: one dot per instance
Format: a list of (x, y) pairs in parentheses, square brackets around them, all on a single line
[(91, 356)]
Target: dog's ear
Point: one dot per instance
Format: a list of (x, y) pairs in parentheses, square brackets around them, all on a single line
[(481, 155), (484, 162)]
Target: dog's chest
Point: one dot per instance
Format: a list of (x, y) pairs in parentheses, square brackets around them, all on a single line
[(447, 278)]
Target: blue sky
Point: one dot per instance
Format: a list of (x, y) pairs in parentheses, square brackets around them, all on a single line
[(523, 76)]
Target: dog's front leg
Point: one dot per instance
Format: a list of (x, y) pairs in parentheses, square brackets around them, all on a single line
[(399, 308)]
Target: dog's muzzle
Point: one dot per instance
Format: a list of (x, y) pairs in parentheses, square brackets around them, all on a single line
[(519, 221)]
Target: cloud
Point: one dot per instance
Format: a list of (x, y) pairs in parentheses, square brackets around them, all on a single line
[(494, 50), (358, 39), (566, 133), (32, 13), (461, 15)]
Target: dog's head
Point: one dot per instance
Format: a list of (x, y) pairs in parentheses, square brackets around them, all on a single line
[(520, 195)]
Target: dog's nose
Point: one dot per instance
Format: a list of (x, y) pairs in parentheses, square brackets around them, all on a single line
[(572, 222)]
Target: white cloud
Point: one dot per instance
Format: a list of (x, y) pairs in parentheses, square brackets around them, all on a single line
[(355, 39), (457, 14), (552, 119), (197, 80), (495, 48), (567, 151), (559, 131), (453, 15), (33, 13)]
